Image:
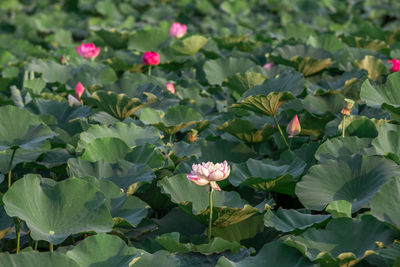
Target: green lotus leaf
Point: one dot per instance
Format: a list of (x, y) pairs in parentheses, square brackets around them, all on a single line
[(110, 149), (360, 127), (147, 39), (328, 42), (221, 150), (146, 154), (246, 131), (338, 147), (373, 65), (35, 85), (228, 207), (340, 241), (131, 134), (91, 73), (353, 178), (35, 258), (385, 203), (20, 128), (377, 94), (365, 42), (272, 254), (266, 105), (219, 69), (239, 83), (103, 250), (189, 46), (118, 105), (171, 243), (115, 38), (129, 208), (51, 71), (339, 208), (387, 143), (291, 220), (122, 173), (330, 102), (66, 207), (268, 175)]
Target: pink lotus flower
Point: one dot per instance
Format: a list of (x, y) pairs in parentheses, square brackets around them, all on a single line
[(209, 173), (171, 88), (395, 64), (268, 65), (293, 127), (88, 50), (177, 30), (63, 60), (73, 101), (79, 89), (151, 58)]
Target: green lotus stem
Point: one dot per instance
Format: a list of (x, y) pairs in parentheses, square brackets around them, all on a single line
[(343, 127), (290, 142), (10, 167), (211, 213), (35, 246), (149, 70), (280, 131), (18, 232), (51, 247), (170, 138)]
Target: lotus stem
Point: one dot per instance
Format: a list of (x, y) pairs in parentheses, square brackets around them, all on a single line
[(51, 247), (343, 127), (211, 214), (149, 70), (290, 142), (280, 131), (18, 233), (10, 167), (171, 138), (35, 246)]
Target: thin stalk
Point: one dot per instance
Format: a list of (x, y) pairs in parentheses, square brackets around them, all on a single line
[(51, 247), (280, 131), (10, 167), (149, 70), (18, 233), (36, 244), (170, 138), (344, 118), (290, 142), (211, 213)]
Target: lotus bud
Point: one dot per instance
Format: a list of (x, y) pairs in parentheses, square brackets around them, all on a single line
[(348, 105), (293, 127), (63, 60), (88, 50), (395, 64), (171, 88), (79, 89), (268, 65), (177, 30), (192, 136), (151, 58)]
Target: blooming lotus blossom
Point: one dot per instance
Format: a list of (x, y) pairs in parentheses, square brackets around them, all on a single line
[(293, 127), (73, 101), (79, 89), (171, 88), (209, 173), (268, 65), (395, 64), (88, 50), (177, 30), (151, 58)]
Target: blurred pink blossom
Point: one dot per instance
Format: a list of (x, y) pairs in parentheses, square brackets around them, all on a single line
[(268, 65), (171, 88), (293, 127), (177, 30), (151, 58), (88, 50), (209, 173), (395, 64)]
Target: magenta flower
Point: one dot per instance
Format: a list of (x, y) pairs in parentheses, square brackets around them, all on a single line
[(209, 173), (293, 127), (177, 30), (151, 58), (395, 64), (171, 88), (268, 65), (88, 50), (79, 89)]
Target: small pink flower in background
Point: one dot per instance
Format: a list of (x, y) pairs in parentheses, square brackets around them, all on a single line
[(63, 60), (88, 50), (171, 88), (177, 30), (79, 89), (209, 173), (395, 64), (293, 127), (73, 101), (268, 65), (151, 58)]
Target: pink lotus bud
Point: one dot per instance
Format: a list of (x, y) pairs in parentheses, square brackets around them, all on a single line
[(171, 88), (209, 173), (293, 127), (151, 58), (63, 60), (395, 64), (88, 50), (177, 30), (79, 89), (268, 65)]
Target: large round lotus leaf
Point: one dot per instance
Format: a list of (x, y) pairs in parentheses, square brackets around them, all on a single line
[(387, 143), (146, 154), (228, 207), (273, 254), (240, 83), (117, 39), (377, 94), (360, 127), (219, 69), (321, 104), (20, 128), (340, 241), (131, 134), (148, 39), (189, 46), (51, 71), (329, 42), (352, 178), (103, 250), (268, 175), (34, 258), (290, 220), (92, 73), (385, 204), (338, 147), (53, 211), (110, 149), (265, 105), (221, 150), (373, 65), (129, 208), (122, 173)]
